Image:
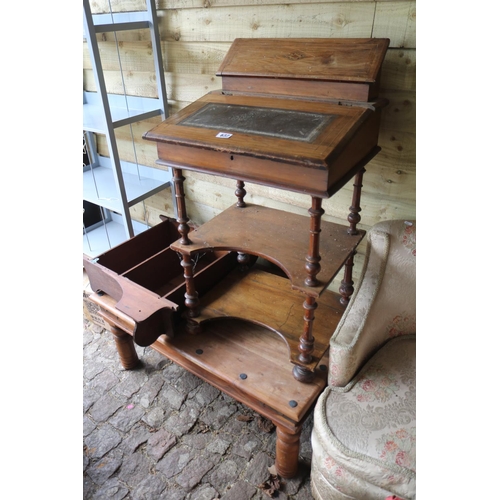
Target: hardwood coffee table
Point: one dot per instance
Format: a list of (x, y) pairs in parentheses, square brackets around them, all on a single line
[(243, 360)]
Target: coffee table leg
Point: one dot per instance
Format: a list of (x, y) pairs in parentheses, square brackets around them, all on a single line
[(125, 347), (287, 451)]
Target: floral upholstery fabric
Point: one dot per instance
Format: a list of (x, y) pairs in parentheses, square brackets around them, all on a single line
[(364, 431), (364, 434), (384, 304)]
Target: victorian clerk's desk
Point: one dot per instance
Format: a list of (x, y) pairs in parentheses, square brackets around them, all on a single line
[(300, 115)]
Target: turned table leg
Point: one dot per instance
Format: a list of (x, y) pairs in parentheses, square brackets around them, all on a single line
[(354, 217), (306, 342), (125, 347), (313, 258), (287, 451), (180, 200), (191, 296), (346, 287)]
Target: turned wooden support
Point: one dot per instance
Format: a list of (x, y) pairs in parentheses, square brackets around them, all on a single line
[(287, 452), (180, 200), (191, 296), (313, 266), (125, 347), (240, 194), (353, 218), (346, 288), (306, 342)]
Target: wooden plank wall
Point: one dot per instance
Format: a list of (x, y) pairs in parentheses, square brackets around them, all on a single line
[(196, 34)]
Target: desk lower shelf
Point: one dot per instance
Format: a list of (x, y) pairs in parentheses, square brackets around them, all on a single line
[(267, 300), (279, 237)]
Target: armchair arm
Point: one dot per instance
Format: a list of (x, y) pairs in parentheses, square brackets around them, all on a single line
[(384, 304)]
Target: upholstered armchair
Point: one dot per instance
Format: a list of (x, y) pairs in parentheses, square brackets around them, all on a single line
[(363, 438)]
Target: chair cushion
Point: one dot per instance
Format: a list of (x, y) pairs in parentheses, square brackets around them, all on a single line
[(384, 304), (364, 433)]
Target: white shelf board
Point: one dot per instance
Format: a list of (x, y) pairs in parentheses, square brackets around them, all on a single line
[(124, 110), (99, 186), (105, 237)]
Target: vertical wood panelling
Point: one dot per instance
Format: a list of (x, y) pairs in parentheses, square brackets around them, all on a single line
[(196, 35)]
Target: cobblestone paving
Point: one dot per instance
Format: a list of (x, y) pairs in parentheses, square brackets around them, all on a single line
[(159, 432)]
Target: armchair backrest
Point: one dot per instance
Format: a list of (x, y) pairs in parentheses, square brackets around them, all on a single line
[(383, 306)]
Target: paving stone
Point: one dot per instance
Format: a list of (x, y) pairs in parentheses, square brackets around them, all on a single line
[(240, 491), (134, 469), (257, 471), (155, 417), (206, 394), (197, 441), (104, 381), (88, 336), (172, 372), (102, 440), (137, 436), (224, 475), (159, 443), (218, 445), (102, 470), (150, 390), (305, 491), (88, 426), (246, 445), (194, 471), (174, 462), (89, 487), (151, 487), (90, 396), (182, 422), (112, 490), (173, 492), (131, 383), (171, 397), (125, 418), (218, 413), (104, 407), (187, 382), (153, 361), (203, 492)]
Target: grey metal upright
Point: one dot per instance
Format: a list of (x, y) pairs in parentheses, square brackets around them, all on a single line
[(104, 112)]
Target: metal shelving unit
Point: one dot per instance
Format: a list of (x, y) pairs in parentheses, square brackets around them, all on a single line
[(109, 182)]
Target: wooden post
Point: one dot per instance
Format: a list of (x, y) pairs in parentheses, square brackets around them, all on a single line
[(180, 200), (306, 342), (354, 217), (313, 266), (346, 288), (240, 194), (125, 347), (287, 451)]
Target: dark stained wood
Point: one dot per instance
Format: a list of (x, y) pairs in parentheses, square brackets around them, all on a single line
[(278, 236), (315, 168), (125, 348), (147, 281), (182, 217), (313, 257), (301, 66)]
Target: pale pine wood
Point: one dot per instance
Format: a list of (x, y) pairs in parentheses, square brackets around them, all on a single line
[(202, 58), (193, 59)]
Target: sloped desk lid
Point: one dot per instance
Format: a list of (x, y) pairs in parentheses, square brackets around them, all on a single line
[(356, 60)]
